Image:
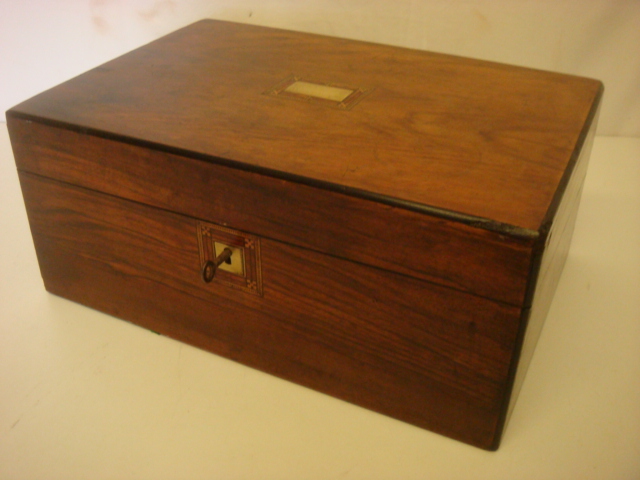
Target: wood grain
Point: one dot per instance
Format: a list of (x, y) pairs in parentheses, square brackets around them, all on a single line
[(463, 136), (418, 352), (552, 257), (411, 244), (449, 253)]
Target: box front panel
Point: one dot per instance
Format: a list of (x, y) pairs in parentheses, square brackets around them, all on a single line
[(441, 251), (410, 349)]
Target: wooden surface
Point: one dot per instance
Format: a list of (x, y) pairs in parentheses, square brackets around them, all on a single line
[(397, 277), (434, 249), (84, 395), (422, 353), (455, 135), (549, 261)]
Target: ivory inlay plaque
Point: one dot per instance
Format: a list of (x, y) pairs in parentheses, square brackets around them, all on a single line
[(330, 94), (327, 92)]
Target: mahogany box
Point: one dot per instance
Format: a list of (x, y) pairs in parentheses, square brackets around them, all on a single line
[(380, 224)]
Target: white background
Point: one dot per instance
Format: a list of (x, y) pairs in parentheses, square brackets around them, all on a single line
[(83, 395)]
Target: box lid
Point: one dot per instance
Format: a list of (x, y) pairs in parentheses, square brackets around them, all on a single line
[(477, 141)]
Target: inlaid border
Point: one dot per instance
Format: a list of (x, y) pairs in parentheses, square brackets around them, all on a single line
[(251, 281)]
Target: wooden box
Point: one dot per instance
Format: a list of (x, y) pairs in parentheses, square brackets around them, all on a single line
[(396, 220)]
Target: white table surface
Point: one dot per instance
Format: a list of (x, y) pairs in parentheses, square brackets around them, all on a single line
[(86, 396)]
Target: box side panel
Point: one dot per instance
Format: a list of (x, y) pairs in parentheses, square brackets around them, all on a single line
[(425, 354), (552, 260), (434, 249)]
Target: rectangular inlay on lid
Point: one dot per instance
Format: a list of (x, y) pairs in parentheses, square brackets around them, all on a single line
[(317, 90), (332, 94)]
